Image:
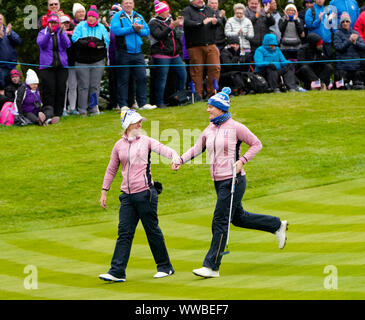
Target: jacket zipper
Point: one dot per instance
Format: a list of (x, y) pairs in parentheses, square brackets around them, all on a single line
[(215, 137), (129, 166)]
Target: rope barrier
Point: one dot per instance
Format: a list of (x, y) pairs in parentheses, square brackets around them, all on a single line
[(178, 65)]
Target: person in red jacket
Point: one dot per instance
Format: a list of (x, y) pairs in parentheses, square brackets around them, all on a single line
[(53, 6), (360, 25), (360, 28)]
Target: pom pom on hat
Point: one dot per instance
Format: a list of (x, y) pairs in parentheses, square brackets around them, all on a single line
[(93, 11), (221, 99), (161, 6)]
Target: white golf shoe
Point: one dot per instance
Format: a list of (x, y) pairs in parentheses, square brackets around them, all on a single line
[(206, 273), (161, 274), (281, 234), (109, 277)]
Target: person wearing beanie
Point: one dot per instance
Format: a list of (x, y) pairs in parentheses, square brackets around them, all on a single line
[(53, 43), (78, 12), (91, 41), (233, 63), (292, 31), (241, 27), (29, 103), (223, 139), (165, 46), (139, 199), (349, 46), (14, 85), (314, 75)]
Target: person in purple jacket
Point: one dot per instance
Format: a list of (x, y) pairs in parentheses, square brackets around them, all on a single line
[(139, 198), (29, 104), (223, 139), (53, 43)]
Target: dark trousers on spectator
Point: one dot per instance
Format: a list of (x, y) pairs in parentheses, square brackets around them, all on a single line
[(134, 207), (348, 75), (308, 73), (47, 110), (113, 88), (54, 88), (272, 76), (139, 75)]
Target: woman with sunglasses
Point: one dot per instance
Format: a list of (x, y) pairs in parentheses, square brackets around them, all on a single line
[(348, 45), (53, 7), (139, 197)]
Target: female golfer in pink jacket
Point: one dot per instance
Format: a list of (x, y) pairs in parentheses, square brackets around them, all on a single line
[(139, 198), (223, 138)]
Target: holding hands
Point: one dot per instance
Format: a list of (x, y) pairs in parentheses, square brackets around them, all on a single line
[(176, 163)]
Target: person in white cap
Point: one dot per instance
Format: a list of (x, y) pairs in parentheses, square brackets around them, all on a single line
[(29, 104), (79, 13), (139, 198)]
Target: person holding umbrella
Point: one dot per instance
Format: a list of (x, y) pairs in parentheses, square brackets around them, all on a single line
[(223, 138), (139, 197)]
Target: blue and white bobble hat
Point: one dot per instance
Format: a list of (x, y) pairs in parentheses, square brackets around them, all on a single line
[(221, 99)]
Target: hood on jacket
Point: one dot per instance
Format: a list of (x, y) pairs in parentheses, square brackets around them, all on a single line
[(270, 40)]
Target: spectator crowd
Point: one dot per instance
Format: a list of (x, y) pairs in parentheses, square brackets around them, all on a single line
[(259, 49)]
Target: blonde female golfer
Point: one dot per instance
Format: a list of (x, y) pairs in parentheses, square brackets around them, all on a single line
[(139, 198)]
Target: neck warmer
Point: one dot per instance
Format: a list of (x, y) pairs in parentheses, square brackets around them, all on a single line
[(221, 119), (92, 25)]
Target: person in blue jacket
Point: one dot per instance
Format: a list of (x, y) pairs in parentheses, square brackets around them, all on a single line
[(321, 21), (129, 27), (9, 39), (271, 64), (349, 6), (91, 42)]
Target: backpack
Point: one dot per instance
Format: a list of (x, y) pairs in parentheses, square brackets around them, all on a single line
[(255, 82), (7, 113)]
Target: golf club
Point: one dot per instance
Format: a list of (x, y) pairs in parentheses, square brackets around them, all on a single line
[(226, 251)]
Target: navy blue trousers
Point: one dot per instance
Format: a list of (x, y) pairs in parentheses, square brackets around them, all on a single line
[(134, 207), (239, 218), (139, 75)]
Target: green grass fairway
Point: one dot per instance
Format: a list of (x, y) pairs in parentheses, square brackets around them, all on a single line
[(311, 172)]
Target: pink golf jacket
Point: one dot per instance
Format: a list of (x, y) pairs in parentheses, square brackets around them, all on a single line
[(223, 143), (135, 158)]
